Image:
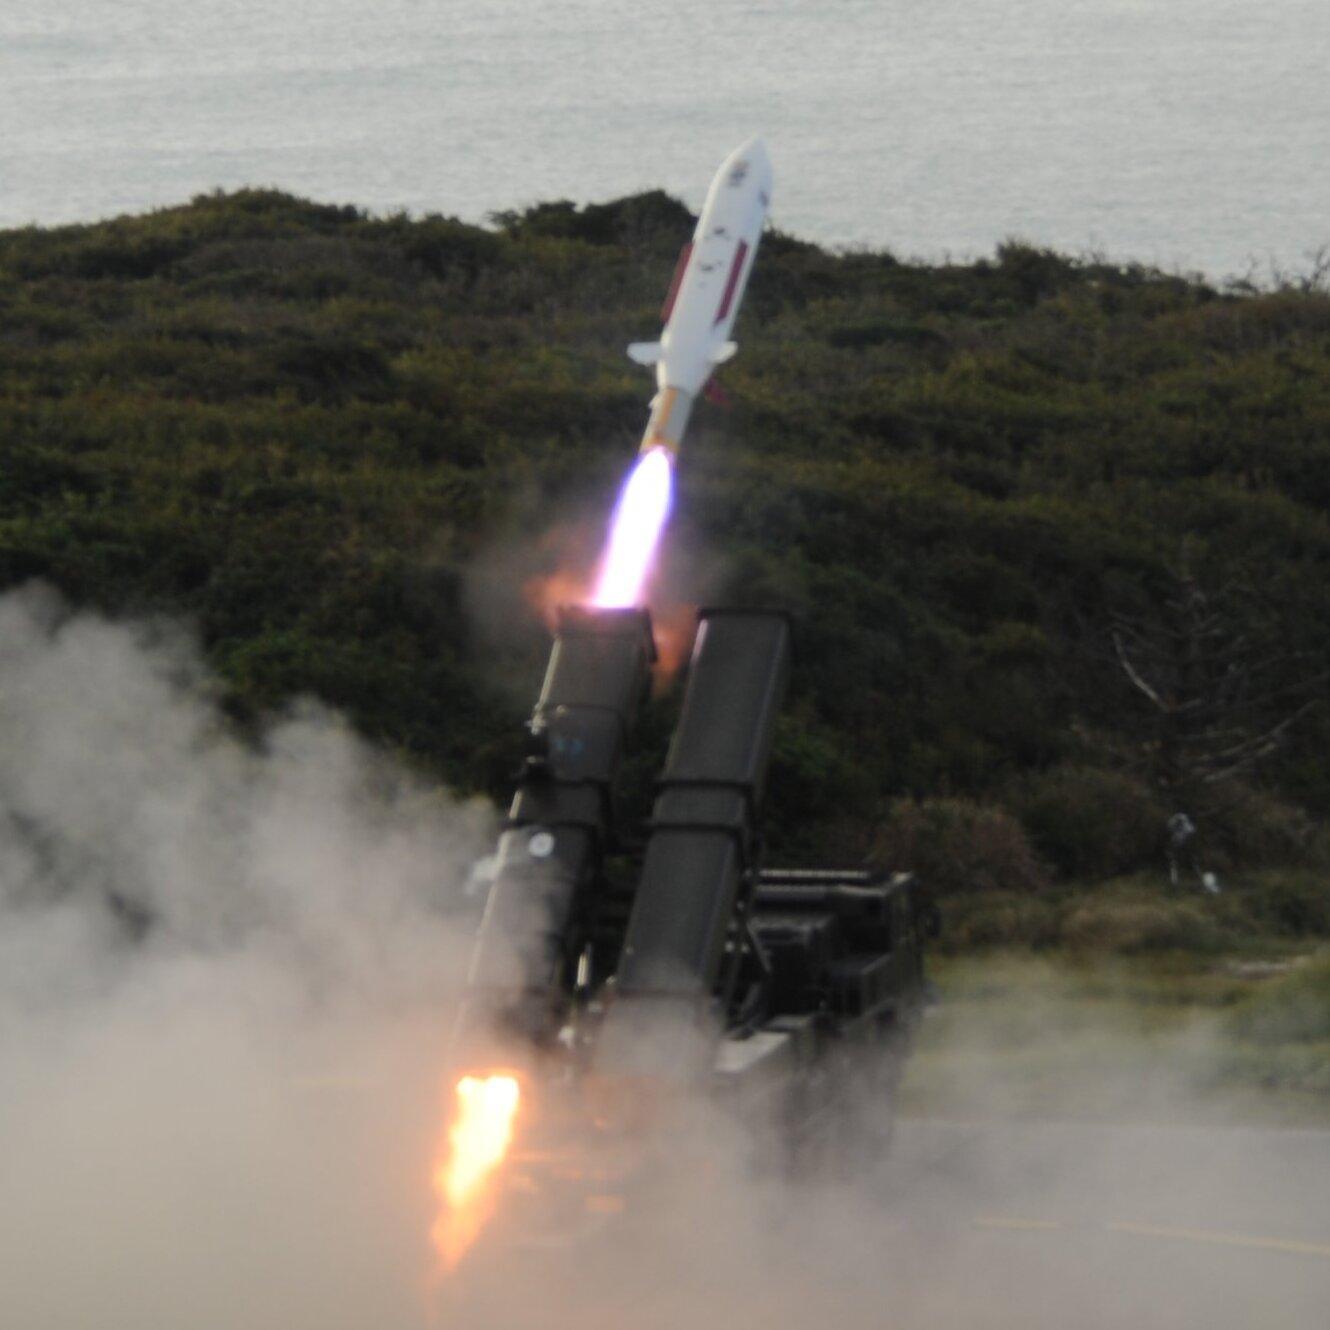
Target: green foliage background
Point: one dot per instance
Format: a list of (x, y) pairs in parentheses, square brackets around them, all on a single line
[(317, 433)]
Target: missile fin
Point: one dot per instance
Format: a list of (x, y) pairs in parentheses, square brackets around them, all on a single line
[(645, 353), (723, 352)]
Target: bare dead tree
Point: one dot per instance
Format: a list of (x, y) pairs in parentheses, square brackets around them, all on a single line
[(1223, 697)]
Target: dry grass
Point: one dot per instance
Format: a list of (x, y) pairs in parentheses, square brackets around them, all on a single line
[(1170, 1036)]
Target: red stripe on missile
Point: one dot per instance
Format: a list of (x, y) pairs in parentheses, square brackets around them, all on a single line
[(676, 282), (736, 268)]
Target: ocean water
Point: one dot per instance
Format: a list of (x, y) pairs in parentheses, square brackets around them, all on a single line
[(1189, 133)]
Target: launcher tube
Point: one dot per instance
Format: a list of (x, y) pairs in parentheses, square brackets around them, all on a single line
[(562, 816), (700, 857)]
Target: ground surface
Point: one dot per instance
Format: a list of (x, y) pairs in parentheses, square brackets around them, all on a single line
[(1085, 1142), (1056, 1224)]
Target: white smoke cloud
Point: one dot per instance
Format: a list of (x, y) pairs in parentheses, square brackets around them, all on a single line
[(228, 973)]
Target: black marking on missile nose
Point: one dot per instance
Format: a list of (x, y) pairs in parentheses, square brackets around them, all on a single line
[(739, 174)]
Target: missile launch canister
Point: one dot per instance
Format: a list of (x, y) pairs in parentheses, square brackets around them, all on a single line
[(706, 293)]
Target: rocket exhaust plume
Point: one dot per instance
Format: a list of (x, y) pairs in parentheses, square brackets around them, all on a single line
[(478, 1140), (699, 315), (635, 529)]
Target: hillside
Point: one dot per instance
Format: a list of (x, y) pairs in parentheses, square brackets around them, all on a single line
[(340, 445)]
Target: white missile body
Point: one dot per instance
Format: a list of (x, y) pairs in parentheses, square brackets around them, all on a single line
[(706, 293)]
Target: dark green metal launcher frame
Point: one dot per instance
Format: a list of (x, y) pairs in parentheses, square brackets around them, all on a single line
[(788, 972)]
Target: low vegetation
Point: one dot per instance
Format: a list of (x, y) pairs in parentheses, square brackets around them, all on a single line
[(340, 444), (1293, 1010), (1254, 914), (1174, 1036)]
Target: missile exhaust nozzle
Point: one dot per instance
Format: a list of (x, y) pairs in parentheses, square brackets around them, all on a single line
[(670, 410)]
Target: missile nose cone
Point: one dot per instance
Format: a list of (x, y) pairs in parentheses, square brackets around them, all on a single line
[(756, 151), (754, 155)]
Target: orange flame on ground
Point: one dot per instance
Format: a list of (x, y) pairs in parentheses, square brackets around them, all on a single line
[(478, 1140)]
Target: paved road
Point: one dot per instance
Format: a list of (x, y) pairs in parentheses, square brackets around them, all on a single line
[(1127, 1228), (967, 1226)]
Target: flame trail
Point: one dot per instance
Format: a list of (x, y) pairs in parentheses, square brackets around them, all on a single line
[(478, 1140), (639, 518)]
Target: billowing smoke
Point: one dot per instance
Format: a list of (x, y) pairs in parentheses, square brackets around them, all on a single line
[(228, 972)]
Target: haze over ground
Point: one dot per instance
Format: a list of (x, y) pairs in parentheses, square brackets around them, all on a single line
[(1182, 134), (229, 1124)]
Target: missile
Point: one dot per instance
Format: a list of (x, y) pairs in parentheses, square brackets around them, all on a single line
[(706, 292)]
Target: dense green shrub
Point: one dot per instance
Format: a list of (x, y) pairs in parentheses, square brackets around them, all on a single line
[(1126, 919), (1294, 1008), (997, 919), (305, 428), (1258, 828), (1295, 902), (958, 846), (1090, 823)]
